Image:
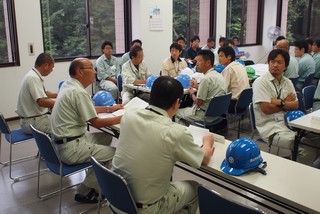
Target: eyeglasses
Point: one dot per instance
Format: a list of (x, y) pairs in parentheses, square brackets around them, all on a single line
[(86, 68)]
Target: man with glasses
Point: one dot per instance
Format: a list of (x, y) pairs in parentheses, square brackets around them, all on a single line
[(70, 115), (146, 158)]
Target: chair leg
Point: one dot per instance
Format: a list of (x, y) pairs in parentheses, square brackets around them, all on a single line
[(239, 123)]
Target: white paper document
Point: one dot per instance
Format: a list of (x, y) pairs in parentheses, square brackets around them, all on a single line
[(198, 133)]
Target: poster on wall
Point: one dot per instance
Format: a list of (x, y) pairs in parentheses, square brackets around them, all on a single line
[(155, 19)]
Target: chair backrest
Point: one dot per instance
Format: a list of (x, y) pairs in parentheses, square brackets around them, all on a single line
[(45, 147), (252, 117), (301, 102), (308, 94), (114, 188), (218, 105), (308, 80), (120, 82), (294, 81), (213, 202), (244, 100), (4, 128)]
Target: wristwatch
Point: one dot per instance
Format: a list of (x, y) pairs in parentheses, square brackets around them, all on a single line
[(283, 103)]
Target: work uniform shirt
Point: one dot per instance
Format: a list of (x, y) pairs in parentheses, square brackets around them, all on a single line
[(236, 78), (316, 98), (149, 146), (173, 68), (125, 58), (130, 73), (72, 110), (265, 88), (292, 69), (306, 66), (107, 67), (192, 53), (316, 58), (31, 90)]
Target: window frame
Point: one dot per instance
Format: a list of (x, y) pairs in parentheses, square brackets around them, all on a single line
[(127, 31), (13, 35)]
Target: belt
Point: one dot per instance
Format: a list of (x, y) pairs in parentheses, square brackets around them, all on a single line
[(67, 139), (33, 116)]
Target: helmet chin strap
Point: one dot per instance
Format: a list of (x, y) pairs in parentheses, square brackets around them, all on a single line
[(260, 168)]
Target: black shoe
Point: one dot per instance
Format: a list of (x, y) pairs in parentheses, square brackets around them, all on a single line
[(91, 198)]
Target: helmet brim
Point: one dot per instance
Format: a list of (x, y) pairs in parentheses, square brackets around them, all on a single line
[(234, 171)]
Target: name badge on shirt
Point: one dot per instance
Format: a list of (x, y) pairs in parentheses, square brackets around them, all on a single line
[(279, 116)]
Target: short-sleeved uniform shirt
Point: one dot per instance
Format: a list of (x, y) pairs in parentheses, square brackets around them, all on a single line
[(316, 58), (292, 69), (265, 88), (31, 90), (107, 67), (306, 67), (149, 146), (173, 68), (236, 78), (73, 108)]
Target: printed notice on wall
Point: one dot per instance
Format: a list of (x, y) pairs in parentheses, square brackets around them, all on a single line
[(155, 19)]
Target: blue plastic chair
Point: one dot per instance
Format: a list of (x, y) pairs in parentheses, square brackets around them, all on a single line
[(308, 80), (294, 81), (308, 94), (14, 137), (115, 188), (301, 102), (54, 163), (211, 201), (241, 107), (218, 107)]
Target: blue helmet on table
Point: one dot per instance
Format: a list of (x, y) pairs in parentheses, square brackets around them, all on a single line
[(150, 81), (240, 61), (219, 68), (103, 98), (184, 79), (292, 115), (242, 155), (60, 84)]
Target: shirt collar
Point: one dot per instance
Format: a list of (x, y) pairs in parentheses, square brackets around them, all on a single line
[(172, 60), (38, 73), (160, 110)]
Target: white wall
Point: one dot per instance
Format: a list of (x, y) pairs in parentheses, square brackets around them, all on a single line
[(155, 43)]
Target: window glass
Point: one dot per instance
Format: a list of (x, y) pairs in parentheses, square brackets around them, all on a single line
[(8, 42), (243, 18), (297, 21), (71, 31)]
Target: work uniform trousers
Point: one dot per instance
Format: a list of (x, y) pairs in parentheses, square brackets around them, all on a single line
[(80, 150), (110, 87), (41, 123)]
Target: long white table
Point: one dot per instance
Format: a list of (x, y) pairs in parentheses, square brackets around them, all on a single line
[(290, 184), (143, 88), (260, 69), (309, 122)]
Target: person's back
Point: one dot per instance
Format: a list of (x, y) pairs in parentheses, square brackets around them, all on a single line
[(147, 152)]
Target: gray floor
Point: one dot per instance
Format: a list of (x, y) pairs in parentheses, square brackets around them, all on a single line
[(21, 196)]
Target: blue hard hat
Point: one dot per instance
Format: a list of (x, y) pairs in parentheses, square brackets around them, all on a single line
[(242, 155), (60, 84), (184, 79), (292, 115), (150, 81), (103, 98), (240, 61), (219, 68)]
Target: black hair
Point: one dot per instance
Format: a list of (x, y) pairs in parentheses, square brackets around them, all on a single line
[(207, 55), (176, 46), (165, 92), (106, 43), (302, 44), (222, 39), (134, 51), (228, 51), (43, 58), (75, 64), (279, 38), (317, 43), (235, 37), (180, 38), (274, 53), (211, 39), (309, 41), (136, 41), (194, 38)]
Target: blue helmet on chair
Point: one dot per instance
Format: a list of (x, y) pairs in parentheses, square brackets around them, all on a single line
[(292, 115), (103, 98), (219, 68), (184, 79), (150, 81), (242, 155)]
